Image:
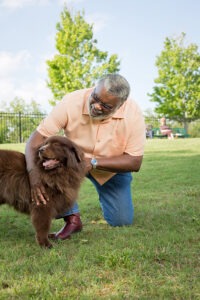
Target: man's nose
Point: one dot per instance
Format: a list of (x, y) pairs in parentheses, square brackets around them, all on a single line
[(97, 106)]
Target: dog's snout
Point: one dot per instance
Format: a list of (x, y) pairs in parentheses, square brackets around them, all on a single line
[(41, 149)]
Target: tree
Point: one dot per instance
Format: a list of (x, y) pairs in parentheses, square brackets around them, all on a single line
[(151, 118), (177, 90), (78, 62), (20, 105), (19, 120)]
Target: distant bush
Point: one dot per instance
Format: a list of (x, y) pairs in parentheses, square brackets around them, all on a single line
[(194, 129)]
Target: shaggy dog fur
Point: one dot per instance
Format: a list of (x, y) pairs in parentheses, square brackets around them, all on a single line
[(61, 168)]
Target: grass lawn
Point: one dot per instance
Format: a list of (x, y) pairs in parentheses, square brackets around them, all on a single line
[(158, 257)]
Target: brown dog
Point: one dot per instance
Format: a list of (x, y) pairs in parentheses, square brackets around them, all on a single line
[(60, 165)]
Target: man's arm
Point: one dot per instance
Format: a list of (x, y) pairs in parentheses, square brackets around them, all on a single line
[(38, 193), (33, 142), (118, 164)]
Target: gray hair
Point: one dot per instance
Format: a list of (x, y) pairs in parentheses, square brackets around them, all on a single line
[(116, 85)]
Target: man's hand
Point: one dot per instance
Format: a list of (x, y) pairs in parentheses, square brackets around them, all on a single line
[(38, 192)]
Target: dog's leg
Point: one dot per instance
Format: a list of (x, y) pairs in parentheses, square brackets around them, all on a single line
[(41, 217)]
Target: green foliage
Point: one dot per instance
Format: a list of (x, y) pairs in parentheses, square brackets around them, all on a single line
[(19, 120), (151, 118), (194, 129), (4, 131), (177, 89), (156, 258), (78, 63), (20, 105)]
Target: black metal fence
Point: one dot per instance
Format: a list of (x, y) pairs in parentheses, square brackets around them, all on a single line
[(17, 127)]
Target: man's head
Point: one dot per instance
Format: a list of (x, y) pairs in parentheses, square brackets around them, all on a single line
[(109, 94)]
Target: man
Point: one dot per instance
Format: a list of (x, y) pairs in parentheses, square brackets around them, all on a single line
[(110, 129)]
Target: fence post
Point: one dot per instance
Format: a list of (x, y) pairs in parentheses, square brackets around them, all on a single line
[(20, 128)]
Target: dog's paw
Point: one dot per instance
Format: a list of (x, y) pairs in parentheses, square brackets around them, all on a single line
[(44, 243)]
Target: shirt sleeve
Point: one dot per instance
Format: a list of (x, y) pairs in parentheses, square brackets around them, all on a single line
[(136, 138), (56, 120)]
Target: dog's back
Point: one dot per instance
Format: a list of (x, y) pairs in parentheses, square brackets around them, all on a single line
[(14, 183)]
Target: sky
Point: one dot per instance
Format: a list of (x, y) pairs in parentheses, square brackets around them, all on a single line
[(135, 30)]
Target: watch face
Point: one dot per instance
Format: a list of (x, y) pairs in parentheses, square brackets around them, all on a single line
[(94, 162)]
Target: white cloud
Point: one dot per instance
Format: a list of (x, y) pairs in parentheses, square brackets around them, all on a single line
[(99, 21), (10, 63), (6, 88), (15, 82), (36, 90), (13, 4), (70, 2)]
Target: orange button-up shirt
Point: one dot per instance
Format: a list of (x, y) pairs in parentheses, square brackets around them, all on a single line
[(124, 132)]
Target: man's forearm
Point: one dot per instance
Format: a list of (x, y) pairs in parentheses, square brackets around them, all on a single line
[(34, 141), (120, 164)]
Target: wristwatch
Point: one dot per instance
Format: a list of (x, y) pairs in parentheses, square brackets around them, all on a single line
[(93, 163)]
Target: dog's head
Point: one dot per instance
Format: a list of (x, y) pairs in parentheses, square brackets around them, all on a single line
[(59, 151)]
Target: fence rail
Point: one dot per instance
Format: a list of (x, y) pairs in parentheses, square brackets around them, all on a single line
[(17, 127)]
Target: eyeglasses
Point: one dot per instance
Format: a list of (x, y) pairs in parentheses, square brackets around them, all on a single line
[(103, 105)]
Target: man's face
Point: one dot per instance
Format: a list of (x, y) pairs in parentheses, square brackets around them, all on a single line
[(101, 104)]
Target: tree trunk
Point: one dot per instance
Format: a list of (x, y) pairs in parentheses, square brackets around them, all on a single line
[(185, 123)]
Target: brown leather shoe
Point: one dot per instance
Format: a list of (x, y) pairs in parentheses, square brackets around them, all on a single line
[(73, 225)]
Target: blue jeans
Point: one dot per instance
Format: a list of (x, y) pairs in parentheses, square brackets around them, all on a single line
[(115, 199)]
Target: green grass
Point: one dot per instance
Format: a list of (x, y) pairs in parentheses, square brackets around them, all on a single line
[(156, 258)]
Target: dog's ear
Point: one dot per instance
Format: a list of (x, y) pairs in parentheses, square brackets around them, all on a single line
[(78, 154), (74, 157)]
